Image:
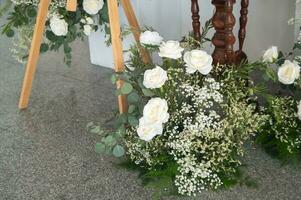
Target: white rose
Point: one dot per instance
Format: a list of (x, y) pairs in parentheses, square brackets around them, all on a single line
[(147, 131), (288, 72), (299, 110), (155, 111), (89, 20), (150, 38), (87, 29), (155, 78), (93, 6), (171, 49), (58, 26), (271, 54), (198, 60)]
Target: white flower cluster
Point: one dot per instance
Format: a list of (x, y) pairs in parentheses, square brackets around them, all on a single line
[(88, 25), (195, 60), (151, 38), (58, 25), (193, 147), (154, 116), (155, 78), (54, 3), (288, 72), (203, 133), (92, 7)]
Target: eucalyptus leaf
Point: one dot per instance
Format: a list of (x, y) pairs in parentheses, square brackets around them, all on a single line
[(133, 98), (126, 88), (109, 140), (10, 33), (44, 48), (114, 78), (118, 151), (133, 121), (100, 148), (96, 130), (147, 92), (31, 12), (131, 109)]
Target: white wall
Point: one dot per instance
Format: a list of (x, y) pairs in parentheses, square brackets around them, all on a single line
[(172, 18)]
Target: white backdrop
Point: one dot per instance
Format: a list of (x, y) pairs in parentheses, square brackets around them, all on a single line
[(172, 18)]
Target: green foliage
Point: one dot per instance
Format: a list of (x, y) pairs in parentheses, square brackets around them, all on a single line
[(24, 15), (109, 142), (159, 178), (5, 7), (281, 135), (237, 178), (118, 151)]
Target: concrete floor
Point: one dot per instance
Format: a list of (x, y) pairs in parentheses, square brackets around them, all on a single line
[(46, 153)]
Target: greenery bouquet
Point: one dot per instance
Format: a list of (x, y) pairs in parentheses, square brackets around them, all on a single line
[(187, 120)]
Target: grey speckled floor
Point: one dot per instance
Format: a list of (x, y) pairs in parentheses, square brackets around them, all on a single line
[(45, 152)]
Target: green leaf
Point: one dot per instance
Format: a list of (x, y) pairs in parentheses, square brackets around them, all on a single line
[(120, 132), (133, 121), (96, 130), (100, 148), (31, 12), (148, 92), (271, 74), (68, 56), (131, 109), (67, 48), (297, 46), (118, 151), (133, 98), (109, 140), (50, 36), (118, 92), (89, 125), (44, 48), (126, 88), (10, 33), (114, 78)]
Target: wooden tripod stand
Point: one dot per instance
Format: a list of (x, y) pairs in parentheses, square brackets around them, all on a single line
[(116, 44)]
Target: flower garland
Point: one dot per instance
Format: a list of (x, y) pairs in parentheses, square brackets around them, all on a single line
[(62, 27)]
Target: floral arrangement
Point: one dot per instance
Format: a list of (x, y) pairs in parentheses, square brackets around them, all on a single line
[(281, 136), (187, 121), (62, 27)]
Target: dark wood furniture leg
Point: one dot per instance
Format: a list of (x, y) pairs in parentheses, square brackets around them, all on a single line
[(196, 24), (223, 39), (218, 40), (240, 55), (229, 36)]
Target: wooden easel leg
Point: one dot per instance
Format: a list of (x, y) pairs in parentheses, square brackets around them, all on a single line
[(133, 22), (34, 53), (117, 48), (71, 5)]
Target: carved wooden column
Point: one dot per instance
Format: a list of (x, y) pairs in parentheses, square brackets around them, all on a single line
[(218, 40), (229, 36), (196, 19), (240, 55)]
